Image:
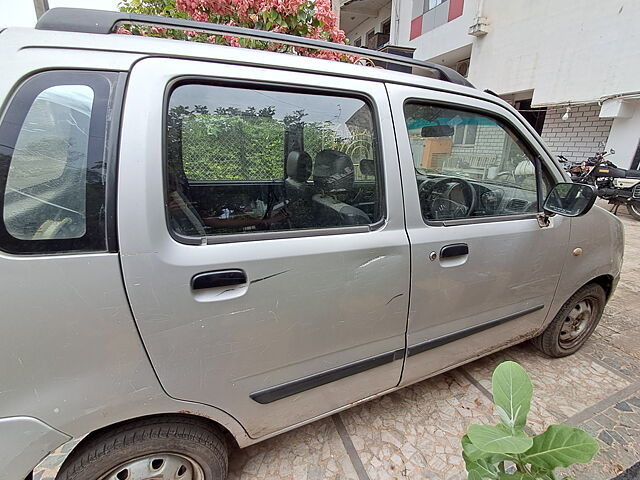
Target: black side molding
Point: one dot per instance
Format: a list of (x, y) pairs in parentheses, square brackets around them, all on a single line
[(300, 385), (452, 337)]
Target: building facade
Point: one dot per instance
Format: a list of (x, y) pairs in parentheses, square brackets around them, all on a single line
[(572, 68)]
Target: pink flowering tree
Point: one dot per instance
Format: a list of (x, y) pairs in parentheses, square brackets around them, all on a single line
[(304, 18)]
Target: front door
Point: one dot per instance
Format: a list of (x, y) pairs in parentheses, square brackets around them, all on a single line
[(268, 272), (483, 270)]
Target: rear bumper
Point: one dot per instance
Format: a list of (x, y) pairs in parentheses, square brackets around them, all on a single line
[(24, 442)]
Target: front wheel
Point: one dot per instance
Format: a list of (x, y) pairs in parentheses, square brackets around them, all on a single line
[(160, 448), (574, 323), (634, 209)]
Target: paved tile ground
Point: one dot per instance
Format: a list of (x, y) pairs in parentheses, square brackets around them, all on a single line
[(415, 433)]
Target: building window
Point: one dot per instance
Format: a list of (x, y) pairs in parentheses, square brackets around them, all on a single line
[(385, 27), (370, 35), (357, 42), (427, 15), (431, 4), (465, 134)]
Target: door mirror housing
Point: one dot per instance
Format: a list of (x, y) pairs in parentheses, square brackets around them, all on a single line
[(570, 199)]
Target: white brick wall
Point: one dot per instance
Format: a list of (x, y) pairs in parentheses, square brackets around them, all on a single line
[(579, 136)]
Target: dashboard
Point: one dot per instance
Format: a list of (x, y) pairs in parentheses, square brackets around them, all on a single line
[(445, 197)]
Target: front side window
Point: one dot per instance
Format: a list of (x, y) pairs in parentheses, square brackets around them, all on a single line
[(52, 166), (470, 165), (243, 160)]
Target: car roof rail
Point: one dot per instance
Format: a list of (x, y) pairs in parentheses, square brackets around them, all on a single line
[(104, 22)]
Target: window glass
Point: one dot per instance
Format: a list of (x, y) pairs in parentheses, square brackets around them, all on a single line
[(247, 160), (48, 170), (469, 165), (52, 164)]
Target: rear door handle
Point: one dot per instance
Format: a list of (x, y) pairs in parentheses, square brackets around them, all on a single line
[(218, 278), (454, 250)]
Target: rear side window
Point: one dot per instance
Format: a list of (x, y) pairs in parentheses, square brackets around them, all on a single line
[(248, 160), (52, 163)]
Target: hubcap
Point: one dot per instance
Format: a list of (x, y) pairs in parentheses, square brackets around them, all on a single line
[(162, 466), (576, 324)]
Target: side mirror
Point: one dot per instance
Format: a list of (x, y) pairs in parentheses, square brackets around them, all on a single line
[(570, 199), (437, 131)]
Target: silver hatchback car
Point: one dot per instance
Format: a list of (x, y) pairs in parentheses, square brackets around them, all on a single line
[(206, 245)]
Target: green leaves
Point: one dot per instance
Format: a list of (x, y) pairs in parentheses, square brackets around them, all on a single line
[(506, 444), (561, 446), (499, 439), (512, 391), (484, 468), (516, 476)]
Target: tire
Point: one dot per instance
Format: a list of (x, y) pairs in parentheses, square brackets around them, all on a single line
[(574, 323), (176, 448), (634, 209)]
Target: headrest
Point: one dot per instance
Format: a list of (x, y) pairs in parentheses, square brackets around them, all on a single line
[(299, 166), (367, 167), (332, 171), (525, 167)]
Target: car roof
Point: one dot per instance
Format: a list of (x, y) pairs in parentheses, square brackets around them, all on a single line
[(92, 31), (29, 38)]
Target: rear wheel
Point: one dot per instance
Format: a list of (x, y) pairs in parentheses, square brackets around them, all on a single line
[(574, 323), (171, 448), (634, 209)]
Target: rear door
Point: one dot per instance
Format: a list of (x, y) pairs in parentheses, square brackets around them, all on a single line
[(267, 272), (483, 270)]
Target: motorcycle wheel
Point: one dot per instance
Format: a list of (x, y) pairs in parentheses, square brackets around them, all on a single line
[(634, 209)]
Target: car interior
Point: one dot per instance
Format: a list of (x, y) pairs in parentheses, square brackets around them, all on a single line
[(45, 185), (459, 176), (315, 193)]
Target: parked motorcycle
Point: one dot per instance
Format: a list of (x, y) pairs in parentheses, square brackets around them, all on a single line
[(616, 185)]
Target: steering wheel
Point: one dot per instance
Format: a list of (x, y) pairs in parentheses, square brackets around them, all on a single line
[(439, 203)]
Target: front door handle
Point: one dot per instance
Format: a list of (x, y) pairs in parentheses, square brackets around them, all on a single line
[(454, 250), (218, 278)]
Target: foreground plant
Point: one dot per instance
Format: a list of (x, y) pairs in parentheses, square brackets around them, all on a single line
[(490, 451)]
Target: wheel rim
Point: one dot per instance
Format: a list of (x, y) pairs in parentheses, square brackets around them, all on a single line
[(577, 322), (160, 466), (636, 208)]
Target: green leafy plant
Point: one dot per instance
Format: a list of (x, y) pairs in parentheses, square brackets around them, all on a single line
[(505, 451)]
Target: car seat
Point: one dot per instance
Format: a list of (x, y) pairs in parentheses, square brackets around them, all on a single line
[(333, 177)]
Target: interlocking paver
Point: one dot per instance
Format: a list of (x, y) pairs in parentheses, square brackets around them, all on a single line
[(311, 452)]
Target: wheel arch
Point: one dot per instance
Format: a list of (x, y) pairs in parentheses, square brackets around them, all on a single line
[(232, 442), (606, 282)]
